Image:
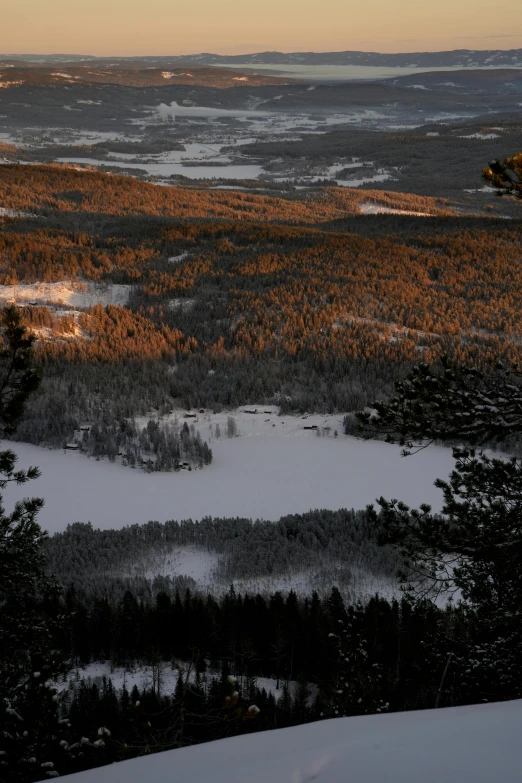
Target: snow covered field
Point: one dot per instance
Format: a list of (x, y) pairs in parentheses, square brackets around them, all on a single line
[(82, 295), (142, 677), (14, 213), (274, 467), (476, 744), (369, 208)]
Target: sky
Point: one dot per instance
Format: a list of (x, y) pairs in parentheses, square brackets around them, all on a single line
[(172, 27)]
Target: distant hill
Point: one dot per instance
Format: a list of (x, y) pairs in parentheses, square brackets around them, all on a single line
[(458, 58), (505, 81), (133, 74)]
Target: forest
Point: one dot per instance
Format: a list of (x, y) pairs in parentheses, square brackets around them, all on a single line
[(442, 158), (399, 320), (393, 659), (323, 545), (229, 310)]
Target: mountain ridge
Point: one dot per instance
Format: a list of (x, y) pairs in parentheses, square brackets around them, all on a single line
[(454, 58)]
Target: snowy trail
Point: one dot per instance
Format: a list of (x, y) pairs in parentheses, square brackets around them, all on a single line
[(261, 476)]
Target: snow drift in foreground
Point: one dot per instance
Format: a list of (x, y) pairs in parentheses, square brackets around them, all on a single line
[(477, 743)]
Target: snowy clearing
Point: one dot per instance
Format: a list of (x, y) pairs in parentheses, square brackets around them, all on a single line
[(181, 304), (81, 294), (120, 676), (179, 258), (479, 743), (481, 136), (202, 566), (369, 208), (142, 677), (14, 213), (192, 561), (274, 467), (381, 176)]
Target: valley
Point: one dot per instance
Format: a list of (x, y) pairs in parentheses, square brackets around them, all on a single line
[(260, 408)]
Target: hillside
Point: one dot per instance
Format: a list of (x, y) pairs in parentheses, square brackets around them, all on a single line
[(476, 743), (44, 188), (137, 75), (125, 279)]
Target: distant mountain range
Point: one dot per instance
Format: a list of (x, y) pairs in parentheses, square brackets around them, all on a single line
[(461, 58)]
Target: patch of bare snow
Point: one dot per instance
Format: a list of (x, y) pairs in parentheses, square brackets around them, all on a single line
[(178, 259), (182, 305), (484, 189), (81, 294), (369, 208), (13, 213), (195, 562), (381, 176), (481, 136)]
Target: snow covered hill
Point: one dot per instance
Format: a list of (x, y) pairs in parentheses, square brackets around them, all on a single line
[(479, 744)]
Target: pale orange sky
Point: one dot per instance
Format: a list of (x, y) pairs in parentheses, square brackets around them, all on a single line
[(139, 27)]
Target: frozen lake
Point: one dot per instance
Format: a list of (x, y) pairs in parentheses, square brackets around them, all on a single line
[(174, 109), (347, 72), (261, 476), (229, 171)]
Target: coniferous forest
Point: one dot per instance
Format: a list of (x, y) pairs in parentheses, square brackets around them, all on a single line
[(236, 299)]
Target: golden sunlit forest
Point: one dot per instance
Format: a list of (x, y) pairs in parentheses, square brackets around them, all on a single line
[(317, 310)]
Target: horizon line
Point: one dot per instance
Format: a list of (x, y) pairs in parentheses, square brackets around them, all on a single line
[(250, 54)]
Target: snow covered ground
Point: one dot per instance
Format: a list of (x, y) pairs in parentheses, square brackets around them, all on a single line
[(192, 561), (476, 744), (14, 213), (142, 676), (481, 136), (369, 208), (82, 295), (273, 467), (121, 676), (199, 564)]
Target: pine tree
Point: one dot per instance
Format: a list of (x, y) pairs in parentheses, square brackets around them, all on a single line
[(474, 547), (505, 175), (358, 689), (33, 741), (449, 403)]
